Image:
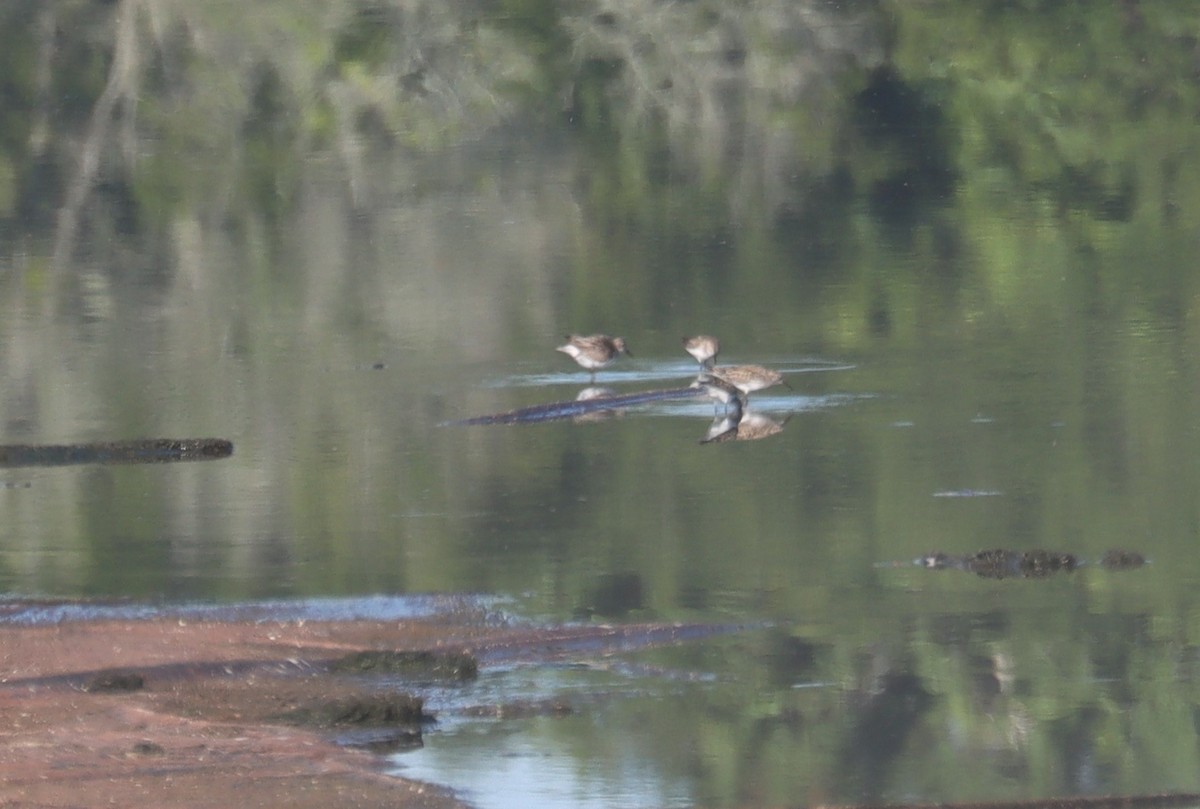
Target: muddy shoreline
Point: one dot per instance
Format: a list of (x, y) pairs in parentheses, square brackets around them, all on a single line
[(175, 711)]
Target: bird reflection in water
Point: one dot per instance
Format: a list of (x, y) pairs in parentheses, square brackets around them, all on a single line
[(735, 421), (591, 394), (742, 425)]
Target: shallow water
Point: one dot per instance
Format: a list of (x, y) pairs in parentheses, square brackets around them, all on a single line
[(528, 758), (980, 287), (35, 612)]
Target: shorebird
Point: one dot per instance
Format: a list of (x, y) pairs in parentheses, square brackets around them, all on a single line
[(721, 391), (704, 348), (594, 351), (748, 378)]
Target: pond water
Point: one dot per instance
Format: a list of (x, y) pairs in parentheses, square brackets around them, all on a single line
[(980, 285)]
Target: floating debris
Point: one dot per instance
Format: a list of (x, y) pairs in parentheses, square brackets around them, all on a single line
[(1031, 564), (1003, 564), (142, 450), (410, 665), (1118, 559)]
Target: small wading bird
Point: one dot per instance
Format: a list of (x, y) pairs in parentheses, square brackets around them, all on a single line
[(595, 351), (704, 348), (721, 391), (746, 378)]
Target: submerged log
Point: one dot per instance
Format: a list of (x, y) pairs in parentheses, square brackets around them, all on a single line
[(141, 450), (575, 408), (1032, 564)]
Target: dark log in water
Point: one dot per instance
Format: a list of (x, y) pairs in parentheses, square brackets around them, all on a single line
[(555, 411), (143, 450), (1031, 564)]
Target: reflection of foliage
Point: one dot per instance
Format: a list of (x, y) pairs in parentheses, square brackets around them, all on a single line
[(692, 88), (905, 134), (740, 102), (1092, 105), (740, 139), (977, 704), (1088, 107), (746, 105), (168, 104)]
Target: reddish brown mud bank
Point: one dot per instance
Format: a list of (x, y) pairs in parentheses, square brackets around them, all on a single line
[(175, 712)]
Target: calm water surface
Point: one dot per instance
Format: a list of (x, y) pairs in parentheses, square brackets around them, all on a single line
[(985, 348)]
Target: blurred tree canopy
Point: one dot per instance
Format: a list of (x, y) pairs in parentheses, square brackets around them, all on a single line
[(150, 106)]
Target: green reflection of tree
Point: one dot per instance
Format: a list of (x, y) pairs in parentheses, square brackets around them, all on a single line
[(702, 116), (166, 109), (1062, 132), (1089, 105), (979, 704), (1073, 122)]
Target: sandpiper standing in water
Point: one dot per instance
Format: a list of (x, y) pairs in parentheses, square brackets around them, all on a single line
[(748, 378), (704, 348), (594, 351)]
